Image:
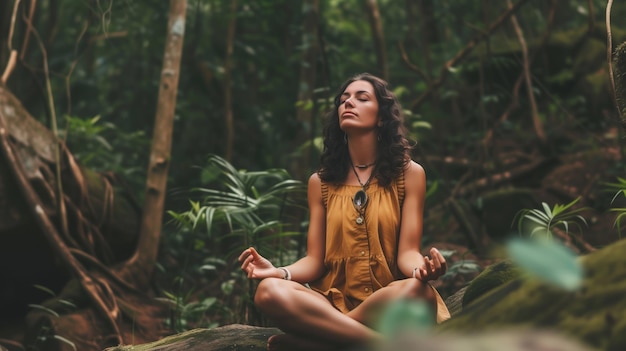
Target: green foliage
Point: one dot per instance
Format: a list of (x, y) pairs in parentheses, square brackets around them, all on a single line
[(548, 260), (188, 313), (250, 204), (106, 60), (102, 146), (620, 188), (544, 221), (240, 209)]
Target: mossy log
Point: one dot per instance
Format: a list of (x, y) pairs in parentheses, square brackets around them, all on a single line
[(491, 278), (228, 338), (239, 337), (593, 314)]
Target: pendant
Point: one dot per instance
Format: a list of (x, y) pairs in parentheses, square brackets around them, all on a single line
[(360, 201)]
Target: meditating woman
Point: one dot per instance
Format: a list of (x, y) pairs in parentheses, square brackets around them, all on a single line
[(366, 206)]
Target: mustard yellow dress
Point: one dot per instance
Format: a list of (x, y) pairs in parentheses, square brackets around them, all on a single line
[(361, 258)]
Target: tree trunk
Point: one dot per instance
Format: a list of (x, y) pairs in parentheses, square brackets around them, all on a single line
[(378, 37), (427, 30), (228, 89), (306, 106), (142, 263)]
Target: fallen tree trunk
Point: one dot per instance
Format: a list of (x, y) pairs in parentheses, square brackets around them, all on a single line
[(238, 337)]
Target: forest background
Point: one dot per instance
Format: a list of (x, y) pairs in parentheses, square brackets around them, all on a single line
[(497, 94)]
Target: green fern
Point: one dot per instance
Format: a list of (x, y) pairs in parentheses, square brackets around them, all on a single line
[(546, 219), (237, 210), (248, 203)]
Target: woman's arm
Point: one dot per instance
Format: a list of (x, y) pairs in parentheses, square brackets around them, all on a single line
[(309, 267), (409, 246)]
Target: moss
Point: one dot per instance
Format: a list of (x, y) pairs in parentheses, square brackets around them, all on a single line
[(231, 337), (168, 341), (492, 277), (592, 314)]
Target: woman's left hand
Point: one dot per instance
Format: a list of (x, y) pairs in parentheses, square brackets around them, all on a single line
[(434, 266)]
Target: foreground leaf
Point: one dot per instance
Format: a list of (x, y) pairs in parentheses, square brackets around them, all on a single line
[(547, 260)]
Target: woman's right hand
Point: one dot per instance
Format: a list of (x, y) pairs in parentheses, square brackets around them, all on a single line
[(256, 266)]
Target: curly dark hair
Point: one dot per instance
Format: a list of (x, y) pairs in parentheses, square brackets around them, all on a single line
[(393, 148)]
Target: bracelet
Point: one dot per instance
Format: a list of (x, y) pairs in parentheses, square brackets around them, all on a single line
[(414, 271), (287, 273)]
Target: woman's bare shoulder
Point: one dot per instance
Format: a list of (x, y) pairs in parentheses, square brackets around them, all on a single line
[(414, 169), (314, 179)]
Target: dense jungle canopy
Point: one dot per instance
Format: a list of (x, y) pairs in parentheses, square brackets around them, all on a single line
[(510, 104)]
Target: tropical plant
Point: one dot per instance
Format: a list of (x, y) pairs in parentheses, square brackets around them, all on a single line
[(620, 188), (545, 220), (242, 209), (253, 206)]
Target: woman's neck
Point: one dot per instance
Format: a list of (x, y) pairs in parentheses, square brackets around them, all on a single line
[(362, 151)]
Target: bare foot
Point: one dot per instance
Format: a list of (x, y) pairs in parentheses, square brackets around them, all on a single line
[(289, 342)]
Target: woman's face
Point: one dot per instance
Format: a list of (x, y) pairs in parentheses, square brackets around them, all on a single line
[(358, 107)]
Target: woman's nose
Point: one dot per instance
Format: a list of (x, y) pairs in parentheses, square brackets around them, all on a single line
[(349, 101)]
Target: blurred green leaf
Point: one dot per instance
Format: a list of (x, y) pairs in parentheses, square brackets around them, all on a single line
[(405, 315), (547, 260)]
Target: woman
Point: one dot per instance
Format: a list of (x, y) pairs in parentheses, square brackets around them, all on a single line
[(363, 245)]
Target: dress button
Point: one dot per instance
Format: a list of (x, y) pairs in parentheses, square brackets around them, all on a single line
[(367, 289), (362, 253)]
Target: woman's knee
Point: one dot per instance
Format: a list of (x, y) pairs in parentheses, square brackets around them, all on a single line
[(415, 288), (269, 293)]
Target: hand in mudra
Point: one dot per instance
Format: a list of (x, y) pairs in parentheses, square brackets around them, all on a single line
[(434, 266), (255, 265)]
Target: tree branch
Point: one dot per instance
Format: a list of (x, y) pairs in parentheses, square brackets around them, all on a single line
[(529, 83), (461, 54)]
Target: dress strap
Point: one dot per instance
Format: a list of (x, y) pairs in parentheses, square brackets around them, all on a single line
[(325, 194)]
